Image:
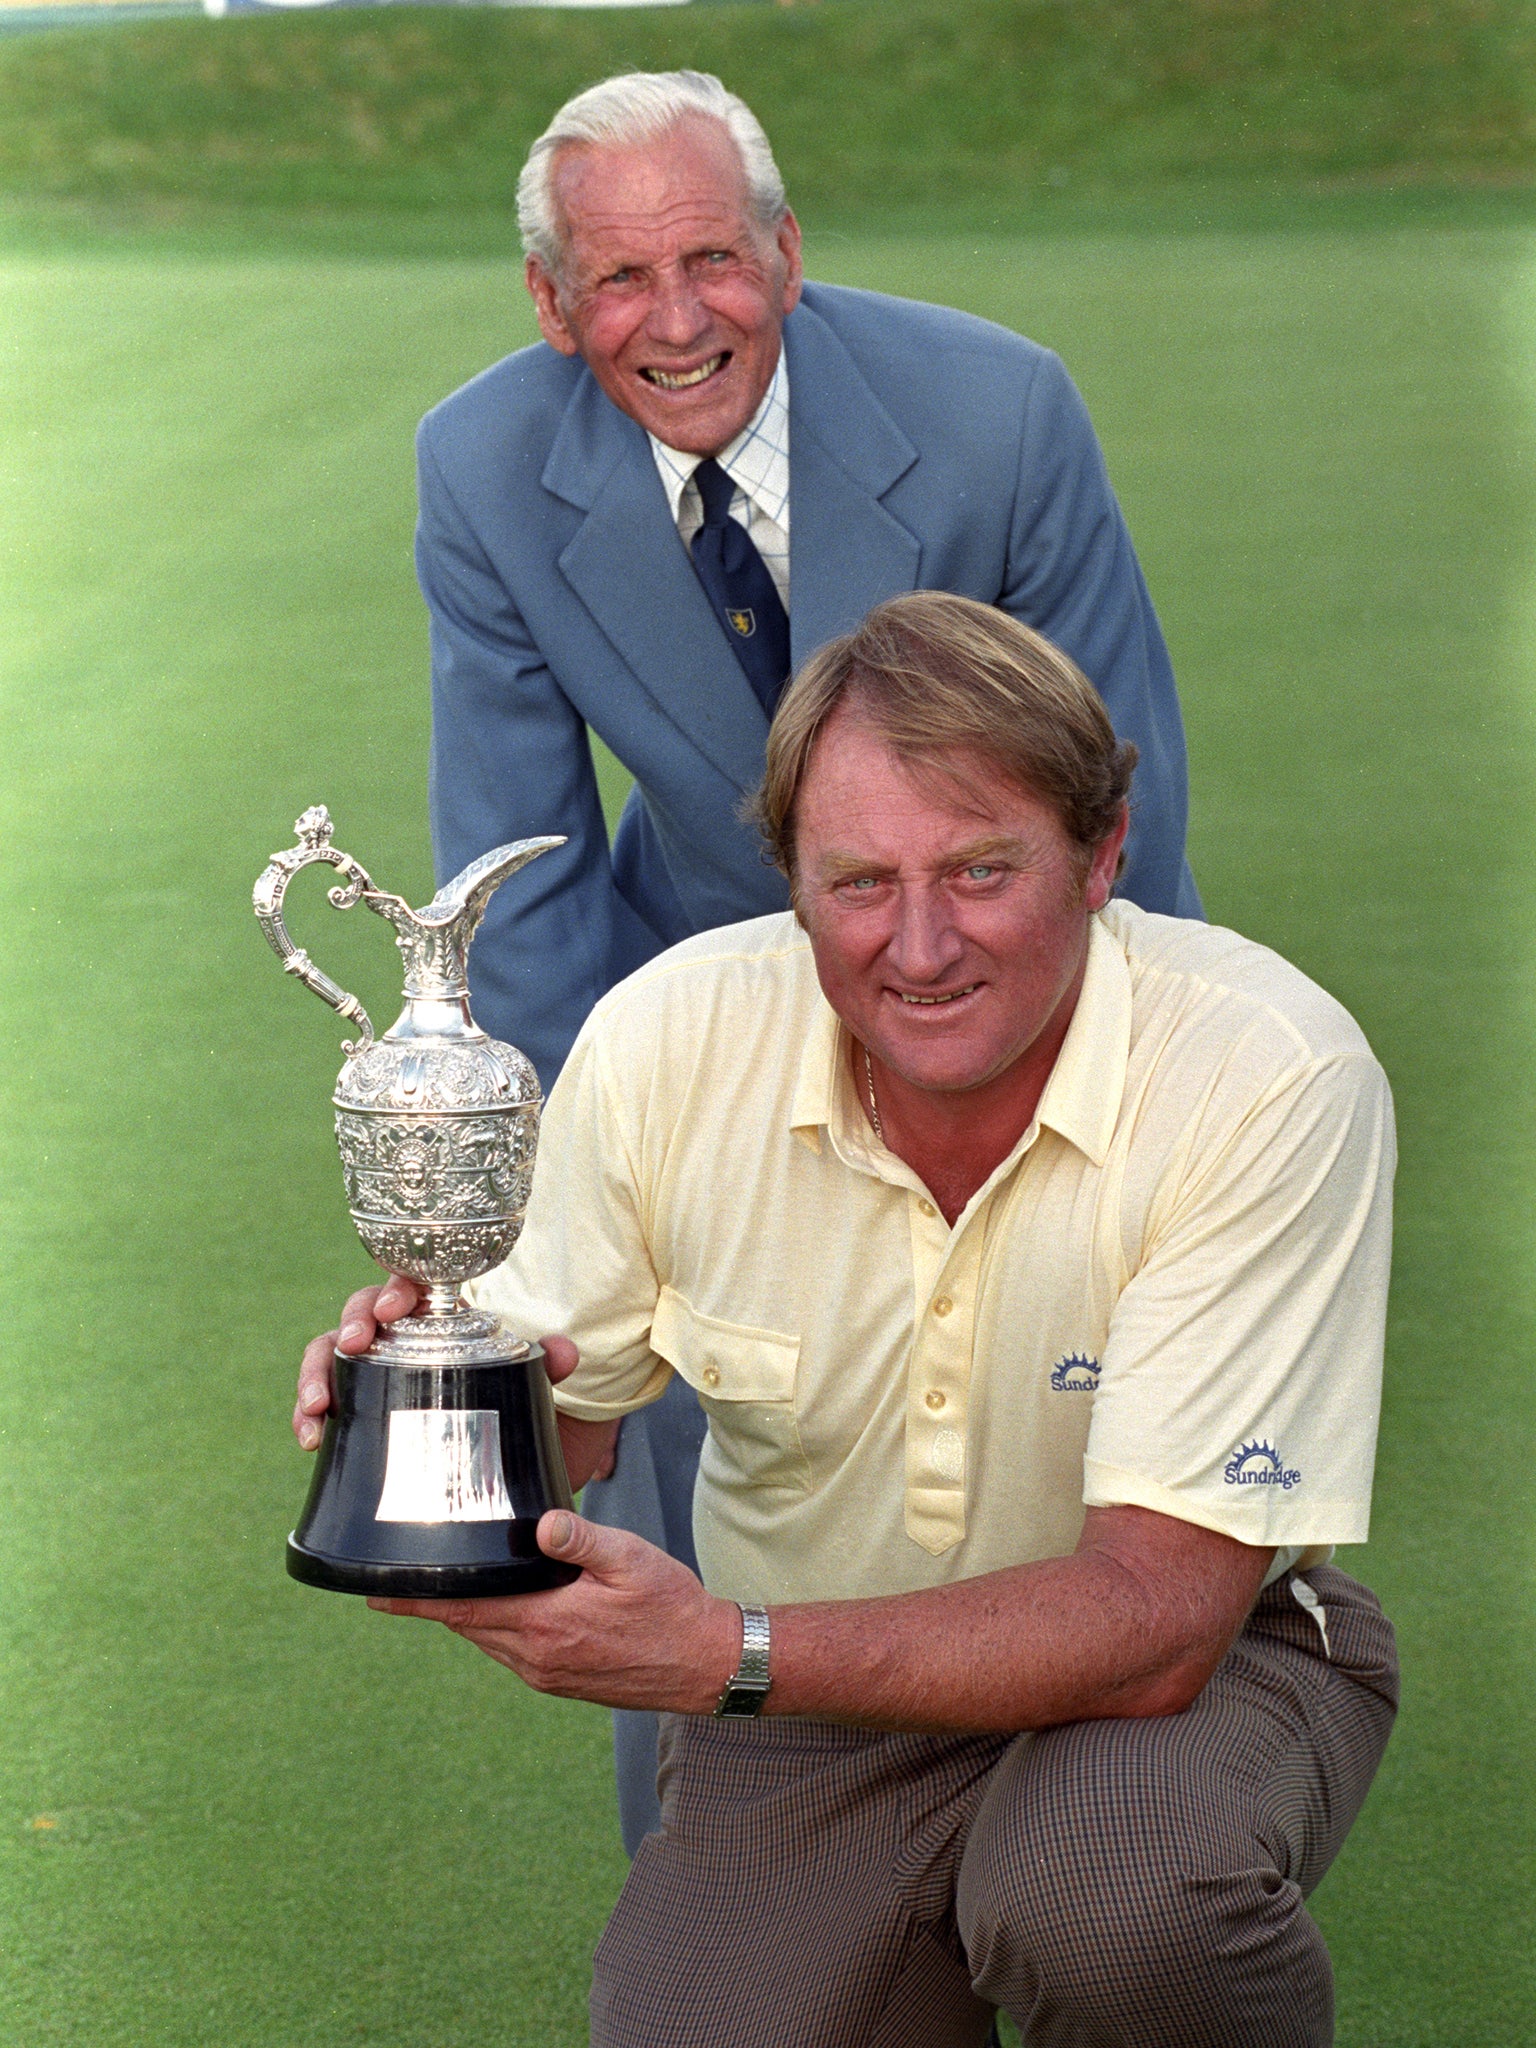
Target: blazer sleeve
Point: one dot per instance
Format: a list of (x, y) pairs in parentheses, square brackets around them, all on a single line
[(1073, 576), (510, 758)]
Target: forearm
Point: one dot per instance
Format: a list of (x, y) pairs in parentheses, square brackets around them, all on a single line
[(1076, 1638)]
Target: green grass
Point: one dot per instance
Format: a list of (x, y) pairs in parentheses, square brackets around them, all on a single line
[(1001, 112), (278, 1818)]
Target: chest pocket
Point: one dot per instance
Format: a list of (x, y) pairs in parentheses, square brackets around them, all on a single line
[(745, 1381)]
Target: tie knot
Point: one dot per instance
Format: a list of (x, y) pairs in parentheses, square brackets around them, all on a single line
[(716, 490)]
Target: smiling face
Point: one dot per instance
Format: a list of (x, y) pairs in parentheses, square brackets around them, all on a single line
[(949, 926), (670, 290)]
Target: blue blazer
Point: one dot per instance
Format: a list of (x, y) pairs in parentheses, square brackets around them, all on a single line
[(928, 450)]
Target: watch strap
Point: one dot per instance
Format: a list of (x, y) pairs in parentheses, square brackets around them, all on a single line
[(745, 1692)]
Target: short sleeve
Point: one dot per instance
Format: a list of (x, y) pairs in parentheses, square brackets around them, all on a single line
[(582, 1267), (1241, 1381)]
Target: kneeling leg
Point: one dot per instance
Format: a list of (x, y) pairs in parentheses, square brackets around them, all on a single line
[(1140, 1884)]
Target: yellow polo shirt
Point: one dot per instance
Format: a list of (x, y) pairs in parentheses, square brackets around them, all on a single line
[(1170, 1293)]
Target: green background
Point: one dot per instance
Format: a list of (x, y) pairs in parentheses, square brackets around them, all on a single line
[(235, 1810)]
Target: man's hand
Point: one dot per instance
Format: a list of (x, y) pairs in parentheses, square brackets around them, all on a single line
[(588, 1446), (360, 1319), (635, 1630)]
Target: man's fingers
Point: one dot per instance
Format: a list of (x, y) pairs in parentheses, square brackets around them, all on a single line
[(499, 1611), (606, 1553), (371, 1306), (308, 1429), (359, 1320), (315, 1374), (359, 1324), (314, 1397), (452, 1613), (396, 1298), (561, 1357)]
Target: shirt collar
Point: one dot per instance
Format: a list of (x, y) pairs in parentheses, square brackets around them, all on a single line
[(757, 461), (1081, 1099)]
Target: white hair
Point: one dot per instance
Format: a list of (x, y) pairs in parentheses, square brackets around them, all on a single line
[(637, 106)]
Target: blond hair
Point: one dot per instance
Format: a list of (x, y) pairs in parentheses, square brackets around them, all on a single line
[(944, 679)]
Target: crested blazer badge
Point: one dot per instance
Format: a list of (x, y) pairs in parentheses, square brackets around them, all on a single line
[(743, 621)]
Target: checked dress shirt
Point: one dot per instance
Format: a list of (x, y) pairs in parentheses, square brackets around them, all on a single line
[(757, 462)]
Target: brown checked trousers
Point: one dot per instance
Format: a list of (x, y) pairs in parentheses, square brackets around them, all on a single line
[(1110, 1884)]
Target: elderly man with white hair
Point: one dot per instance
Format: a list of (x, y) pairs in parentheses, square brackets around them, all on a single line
[(633, 529)]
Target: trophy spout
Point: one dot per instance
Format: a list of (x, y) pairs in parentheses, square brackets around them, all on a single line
[(434, 941), (472, 888)]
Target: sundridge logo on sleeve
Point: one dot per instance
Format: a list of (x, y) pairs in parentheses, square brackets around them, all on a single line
[(1075, 1374), (1259, 1464)]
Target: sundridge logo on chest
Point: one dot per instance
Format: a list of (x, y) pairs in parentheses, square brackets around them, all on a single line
[(1259, 1464), (1075, 1374)]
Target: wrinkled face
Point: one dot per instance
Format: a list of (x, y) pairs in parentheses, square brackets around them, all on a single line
[(670, 291), (949, 926)]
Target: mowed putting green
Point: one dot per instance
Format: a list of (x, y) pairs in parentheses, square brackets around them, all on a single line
[(233, 1810)]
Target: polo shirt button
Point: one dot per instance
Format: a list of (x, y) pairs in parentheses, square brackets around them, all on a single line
[(710, 1375), (943, 1305), (926, 1208), (934, 1398)]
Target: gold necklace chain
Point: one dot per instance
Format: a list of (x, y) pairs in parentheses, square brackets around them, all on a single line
[(874, 1107)]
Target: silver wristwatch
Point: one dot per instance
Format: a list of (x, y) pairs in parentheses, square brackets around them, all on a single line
[(744, 1694)]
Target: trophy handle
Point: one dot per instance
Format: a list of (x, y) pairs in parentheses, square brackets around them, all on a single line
[(314, 829)]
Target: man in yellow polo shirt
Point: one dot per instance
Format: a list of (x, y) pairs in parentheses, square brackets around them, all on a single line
[(1028, 1253)]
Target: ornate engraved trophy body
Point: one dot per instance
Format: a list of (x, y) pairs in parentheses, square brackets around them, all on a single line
[(440, 1452)]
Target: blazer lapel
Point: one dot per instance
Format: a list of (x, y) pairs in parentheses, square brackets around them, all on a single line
[(629, 569), (846, 551)]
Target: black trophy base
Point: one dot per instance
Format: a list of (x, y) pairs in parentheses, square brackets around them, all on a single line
[(443, 1504)]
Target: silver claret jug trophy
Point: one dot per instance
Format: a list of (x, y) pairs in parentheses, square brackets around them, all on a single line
[(440, 1451)]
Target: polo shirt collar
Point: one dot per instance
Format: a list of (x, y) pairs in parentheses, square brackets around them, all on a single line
[(823, 1070), (1081, 1099)]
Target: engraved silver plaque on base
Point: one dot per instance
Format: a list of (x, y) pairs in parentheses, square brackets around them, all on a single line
[(444, 1465), (441, 1451)]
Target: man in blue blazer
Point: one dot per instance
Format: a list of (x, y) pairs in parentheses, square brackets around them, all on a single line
[(871, 446)]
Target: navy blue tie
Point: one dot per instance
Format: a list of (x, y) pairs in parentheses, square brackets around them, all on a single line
[(743, 593)]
